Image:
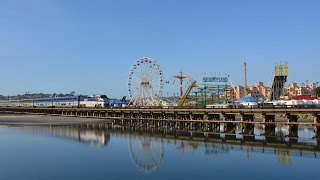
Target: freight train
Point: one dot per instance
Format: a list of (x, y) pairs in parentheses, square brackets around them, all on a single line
[(70, 101)]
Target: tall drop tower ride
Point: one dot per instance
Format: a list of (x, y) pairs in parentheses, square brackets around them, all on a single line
[(181, 77)]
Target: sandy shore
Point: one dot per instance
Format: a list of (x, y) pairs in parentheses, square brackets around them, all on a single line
[(18, 120)]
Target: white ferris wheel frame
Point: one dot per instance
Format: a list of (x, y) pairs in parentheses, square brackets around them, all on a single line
[(145, 82)]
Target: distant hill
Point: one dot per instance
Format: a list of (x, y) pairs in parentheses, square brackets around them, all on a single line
[(34, 96)]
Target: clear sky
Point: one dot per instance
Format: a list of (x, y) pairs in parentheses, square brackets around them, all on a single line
[(89, 46)]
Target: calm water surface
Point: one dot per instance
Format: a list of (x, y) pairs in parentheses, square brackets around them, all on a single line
[(115, 153)]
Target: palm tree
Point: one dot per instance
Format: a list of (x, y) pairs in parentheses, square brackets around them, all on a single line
[(317, 91)]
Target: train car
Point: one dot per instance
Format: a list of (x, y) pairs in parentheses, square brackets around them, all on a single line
[(78, 101), (42, 102), (91, 101), (4, 103), (26, 102), (14, 103), (296, 103), (218, 106), (71, 101), (316, 102)]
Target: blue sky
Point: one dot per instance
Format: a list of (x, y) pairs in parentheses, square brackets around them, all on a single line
[(89, 46)]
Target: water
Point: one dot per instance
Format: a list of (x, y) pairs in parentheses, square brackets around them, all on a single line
[(118, 153)]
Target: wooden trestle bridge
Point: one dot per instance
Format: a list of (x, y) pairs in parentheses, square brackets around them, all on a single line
[(182, 117)]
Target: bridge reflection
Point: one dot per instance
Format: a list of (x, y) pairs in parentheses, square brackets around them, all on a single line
[(147, 145), (282, 141)]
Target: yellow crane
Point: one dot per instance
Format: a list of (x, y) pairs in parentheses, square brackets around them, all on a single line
[(184, 97)]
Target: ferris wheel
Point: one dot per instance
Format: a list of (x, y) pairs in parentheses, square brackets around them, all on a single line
[(145, 82)]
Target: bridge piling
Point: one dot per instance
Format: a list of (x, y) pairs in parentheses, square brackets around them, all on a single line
[(268, 118), (249, 118), (228, 117), (316, 119), (292, 118)]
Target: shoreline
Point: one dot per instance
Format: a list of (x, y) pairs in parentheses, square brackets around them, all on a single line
[(45, 120)]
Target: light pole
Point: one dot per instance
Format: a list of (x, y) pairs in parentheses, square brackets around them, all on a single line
[(110, 93), (317, 85)]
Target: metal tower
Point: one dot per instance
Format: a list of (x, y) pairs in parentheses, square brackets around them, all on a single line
[(279, 79), (245, 79)]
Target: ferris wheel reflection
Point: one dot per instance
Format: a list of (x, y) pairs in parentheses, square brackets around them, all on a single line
[(146, 154)]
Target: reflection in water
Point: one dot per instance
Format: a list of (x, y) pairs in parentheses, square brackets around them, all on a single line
[(147, 146), (146, 154), (284, 157), (94, 137)]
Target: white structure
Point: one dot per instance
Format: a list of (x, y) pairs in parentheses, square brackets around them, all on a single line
[(293, 103)]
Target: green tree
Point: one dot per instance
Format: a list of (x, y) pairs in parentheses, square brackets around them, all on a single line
[(317, 90), (73, 93)]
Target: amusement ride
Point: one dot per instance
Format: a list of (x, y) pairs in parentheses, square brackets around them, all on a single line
[(145, 83)]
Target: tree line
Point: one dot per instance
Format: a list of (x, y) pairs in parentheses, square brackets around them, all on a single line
[(35, 96)]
